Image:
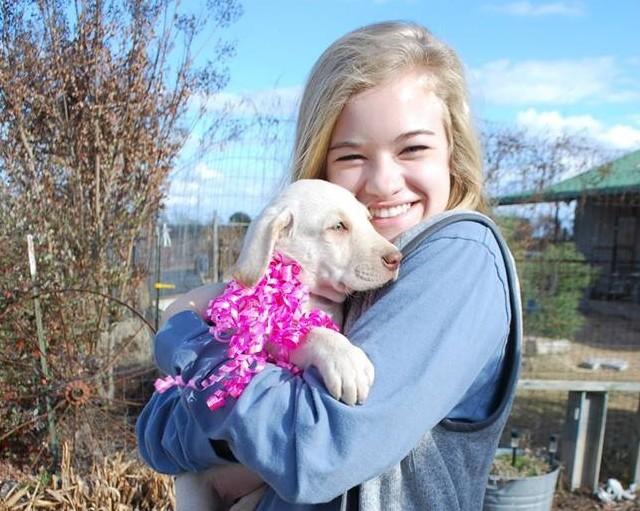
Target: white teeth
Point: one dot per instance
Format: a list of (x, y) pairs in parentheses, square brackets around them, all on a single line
[(390, 212)]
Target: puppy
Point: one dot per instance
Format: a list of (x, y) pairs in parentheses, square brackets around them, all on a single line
[(327, 231)]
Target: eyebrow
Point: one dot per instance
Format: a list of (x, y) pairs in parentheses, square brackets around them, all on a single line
[(413, 133), (408, 134)]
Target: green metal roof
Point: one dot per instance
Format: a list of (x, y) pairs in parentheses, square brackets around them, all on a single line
[(618, 176)]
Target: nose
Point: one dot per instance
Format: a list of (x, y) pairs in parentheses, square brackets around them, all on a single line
[(391, 260), (384, 179)]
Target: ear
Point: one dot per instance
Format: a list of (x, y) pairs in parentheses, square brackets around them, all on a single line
[(259, 243)]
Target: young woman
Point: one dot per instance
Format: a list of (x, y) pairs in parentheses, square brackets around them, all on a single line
[(385, 115)]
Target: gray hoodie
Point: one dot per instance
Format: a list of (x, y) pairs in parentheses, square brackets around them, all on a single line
[(445, 342)]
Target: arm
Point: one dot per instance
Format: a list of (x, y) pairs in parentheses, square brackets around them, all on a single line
[(170, 440), (164, 423), (196, 300), (429, 336)]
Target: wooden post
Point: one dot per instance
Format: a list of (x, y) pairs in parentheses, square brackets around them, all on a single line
[(158, 271), (635, 449), (583, 438), (42, 346), (215, 263)]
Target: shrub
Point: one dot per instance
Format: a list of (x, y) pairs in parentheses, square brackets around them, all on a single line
[(553, 282)]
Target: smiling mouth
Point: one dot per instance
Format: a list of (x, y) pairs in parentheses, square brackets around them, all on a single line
[(391, 212)]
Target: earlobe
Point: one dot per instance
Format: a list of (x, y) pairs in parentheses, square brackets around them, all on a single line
[(260, 242)]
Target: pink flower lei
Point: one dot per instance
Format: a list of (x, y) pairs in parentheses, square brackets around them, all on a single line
[(246, 318)]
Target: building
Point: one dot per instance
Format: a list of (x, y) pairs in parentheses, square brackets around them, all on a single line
[(607, 221)]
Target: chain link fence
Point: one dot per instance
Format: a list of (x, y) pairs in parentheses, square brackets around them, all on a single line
[(581, 319), (574, 330)]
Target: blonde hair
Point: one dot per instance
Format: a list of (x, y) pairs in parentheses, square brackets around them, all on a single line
[(370, 56)]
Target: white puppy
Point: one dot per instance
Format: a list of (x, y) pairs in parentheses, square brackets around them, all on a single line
[(327, 231)]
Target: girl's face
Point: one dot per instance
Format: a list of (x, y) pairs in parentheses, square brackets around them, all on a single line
[(390, 149)]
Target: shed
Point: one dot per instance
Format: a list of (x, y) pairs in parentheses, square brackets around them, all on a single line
[(607, 221)]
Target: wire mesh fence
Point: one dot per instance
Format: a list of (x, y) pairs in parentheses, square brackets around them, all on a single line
[(581, 317), (212, 199), (573, 330)]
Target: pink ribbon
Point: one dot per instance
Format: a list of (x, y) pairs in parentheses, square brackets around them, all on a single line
[(247, 318)]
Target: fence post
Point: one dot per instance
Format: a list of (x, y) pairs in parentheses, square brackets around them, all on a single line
[(216, 250), (42, 346), (635, 449), (583, 438)]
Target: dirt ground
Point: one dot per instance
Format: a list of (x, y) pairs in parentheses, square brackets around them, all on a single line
[(539, 414), (611, 331), (567, 501)]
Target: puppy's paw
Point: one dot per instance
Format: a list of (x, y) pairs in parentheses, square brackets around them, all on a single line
[(347, 374), (346, 370)]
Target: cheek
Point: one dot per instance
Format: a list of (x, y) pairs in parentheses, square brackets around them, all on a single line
[(436, 186), (346, 179), (333, 251)]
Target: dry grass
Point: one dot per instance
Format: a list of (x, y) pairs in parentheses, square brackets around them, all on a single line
[(116, 484), (611, 331)]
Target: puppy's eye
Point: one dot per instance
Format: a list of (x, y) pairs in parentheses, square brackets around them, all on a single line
[(339, 227)]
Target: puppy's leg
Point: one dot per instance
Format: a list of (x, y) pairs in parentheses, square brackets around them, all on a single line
[(194, 492), (218, 488), (234, 481), (249, 502), (346, 370)]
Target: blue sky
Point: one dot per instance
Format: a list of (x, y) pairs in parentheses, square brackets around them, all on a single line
[(571, 58), (544, 65)]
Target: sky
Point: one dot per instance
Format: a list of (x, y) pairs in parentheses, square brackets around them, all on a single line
[(543, 65)]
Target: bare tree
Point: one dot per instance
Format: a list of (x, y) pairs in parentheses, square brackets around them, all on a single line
[(95, 106), (519, 160)]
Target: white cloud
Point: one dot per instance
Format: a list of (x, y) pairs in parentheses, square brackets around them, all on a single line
[(618, 136), (180, 201), (280, 102), (193, 181), (184, 187), (554, 82), (529, 9), (207, 173), (624, 137)]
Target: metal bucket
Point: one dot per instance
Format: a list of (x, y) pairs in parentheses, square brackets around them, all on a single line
[(524, 494)]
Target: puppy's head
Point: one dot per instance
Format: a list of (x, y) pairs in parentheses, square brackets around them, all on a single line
[(325, 229)]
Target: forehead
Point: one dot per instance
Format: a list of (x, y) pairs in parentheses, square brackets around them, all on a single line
[(398, 106)]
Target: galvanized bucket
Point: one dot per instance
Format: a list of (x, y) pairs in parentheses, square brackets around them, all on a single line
[(533, 493)]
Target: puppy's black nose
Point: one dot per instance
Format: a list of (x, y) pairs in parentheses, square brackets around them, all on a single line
[(392, 260)]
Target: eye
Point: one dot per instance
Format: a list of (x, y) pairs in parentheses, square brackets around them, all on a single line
[(414, 149), (338, 227), (349, 157)]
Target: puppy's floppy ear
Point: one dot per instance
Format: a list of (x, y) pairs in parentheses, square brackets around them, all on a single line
[(259, 243)]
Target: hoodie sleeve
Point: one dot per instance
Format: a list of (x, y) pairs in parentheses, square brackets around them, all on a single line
[(429, 336)]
